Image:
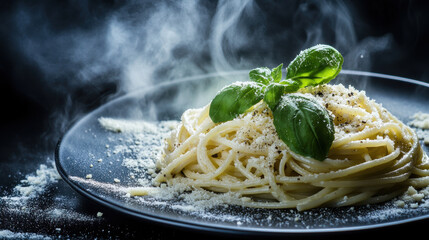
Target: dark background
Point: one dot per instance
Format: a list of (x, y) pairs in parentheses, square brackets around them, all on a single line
[(43, 90)]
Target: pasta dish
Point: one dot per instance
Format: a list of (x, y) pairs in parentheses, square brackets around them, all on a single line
[(373, 158), (294, 143)]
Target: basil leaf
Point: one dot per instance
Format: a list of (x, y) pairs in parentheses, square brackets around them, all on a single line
[(266, 76), (261, 75), (304, 125), (275, 91), (290, 86), (235, 99), (273, 94), (316, 65), (276, 73)]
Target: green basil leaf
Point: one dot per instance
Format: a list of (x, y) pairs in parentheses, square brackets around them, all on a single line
[(235, 99), (273, 94), (304, 125), (275, 91), (290, 86), (316, 65), (261, 75), (276, 73), (266, 76)]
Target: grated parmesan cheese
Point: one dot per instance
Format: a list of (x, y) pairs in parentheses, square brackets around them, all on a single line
[(21, 203), (421, 123), (413, 198), (420, 120), (35, 183)]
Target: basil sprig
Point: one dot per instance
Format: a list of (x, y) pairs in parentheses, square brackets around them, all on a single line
[(302, 123)]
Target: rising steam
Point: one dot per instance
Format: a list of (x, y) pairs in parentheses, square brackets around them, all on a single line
[(139, 44)]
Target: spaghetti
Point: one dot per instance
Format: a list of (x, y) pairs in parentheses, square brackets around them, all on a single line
[(373, 158)]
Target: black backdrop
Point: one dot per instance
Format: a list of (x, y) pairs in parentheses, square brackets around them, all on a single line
[(43, 90)]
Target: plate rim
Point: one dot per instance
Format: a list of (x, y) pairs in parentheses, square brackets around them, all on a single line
[(211, 227)]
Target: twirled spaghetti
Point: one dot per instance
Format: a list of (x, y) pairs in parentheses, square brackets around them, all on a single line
[(373, 158)]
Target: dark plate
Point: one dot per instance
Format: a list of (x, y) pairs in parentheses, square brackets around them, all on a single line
[(87, 142)]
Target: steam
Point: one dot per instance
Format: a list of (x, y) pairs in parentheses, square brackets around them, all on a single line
[(140, 44), (162, 45), (132, 47), (226, 18)]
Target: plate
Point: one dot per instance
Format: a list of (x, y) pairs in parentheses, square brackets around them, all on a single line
[(94, 161)]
